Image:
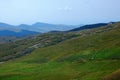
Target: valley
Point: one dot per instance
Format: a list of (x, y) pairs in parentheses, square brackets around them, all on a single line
[(87, 54)]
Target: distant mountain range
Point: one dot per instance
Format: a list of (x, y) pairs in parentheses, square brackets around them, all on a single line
[(37, 27), (25, 30), (45, 27)]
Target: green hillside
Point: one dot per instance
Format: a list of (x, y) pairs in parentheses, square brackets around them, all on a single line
[(91, 55), (22, 47)]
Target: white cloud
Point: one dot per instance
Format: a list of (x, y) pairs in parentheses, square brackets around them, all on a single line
[(66, 8)]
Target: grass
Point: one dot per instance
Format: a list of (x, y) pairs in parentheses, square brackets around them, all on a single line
[(92, 70), (25, 46), (113, 76)]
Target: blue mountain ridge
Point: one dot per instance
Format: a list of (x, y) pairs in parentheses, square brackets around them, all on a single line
[(21, 33)]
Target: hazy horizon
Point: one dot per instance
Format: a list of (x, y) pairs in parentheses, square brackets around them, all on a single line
[(67, 12)]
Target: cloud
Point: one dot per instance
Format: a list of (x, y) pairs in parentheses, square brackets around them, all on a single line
[(66, 8)]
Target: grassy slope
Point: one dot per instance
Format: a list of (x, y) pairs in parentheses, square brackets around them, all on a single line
[(113, 76), (88, 57), (25, 46)]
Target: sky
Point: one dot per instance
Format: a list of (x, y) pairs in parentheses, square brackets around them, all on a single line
[(69, 12)]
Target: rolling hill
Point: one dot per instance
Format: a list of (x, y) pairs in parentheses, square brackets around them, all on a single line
[(90, 26), (91, 54), (7, 36)]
